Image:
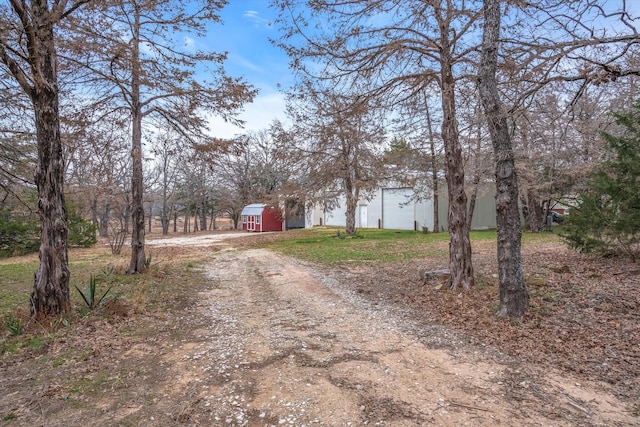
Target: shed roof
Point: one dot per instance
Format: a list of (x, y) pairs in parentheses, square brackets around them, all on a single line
[(253, 209)]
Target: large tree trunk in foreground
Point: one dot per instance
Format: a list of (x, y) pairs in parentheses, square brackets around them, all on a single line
[(137, 207), (50, 293), (460, 263), (514, 298)]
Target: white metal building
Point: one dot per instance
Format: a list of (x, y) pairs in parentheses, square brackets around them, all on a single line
[(397, 208), (391, 208)]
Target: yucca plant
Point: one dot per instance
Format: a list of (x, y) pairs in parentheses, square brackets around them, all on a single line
[(89, 295), (14, 324), (147, 261)]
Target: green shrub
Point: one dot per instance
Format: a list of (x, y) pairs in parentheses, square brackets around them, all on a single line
[(607, 218), (82, 233), (18, 236)]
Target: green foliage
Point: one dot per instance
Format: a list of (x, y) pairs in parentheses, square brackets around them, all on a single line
[(9, 417), (90, 296), (398, 147), (26, 342), (18, 235), (14, 324), (399, 152), (82, 233), (147, 261), (607, 218)]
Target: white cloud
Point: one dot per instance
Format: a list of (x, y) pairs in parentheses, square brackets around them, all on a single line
[(257, 116), (244, 63), (189, 43), (258, 21)]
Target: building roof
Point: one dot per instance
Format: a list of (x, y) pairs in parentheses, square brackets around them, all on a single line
[(253, 209)]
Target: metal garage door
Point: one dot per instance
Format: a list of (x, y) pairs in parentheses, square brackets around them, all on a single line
[(397, 208)]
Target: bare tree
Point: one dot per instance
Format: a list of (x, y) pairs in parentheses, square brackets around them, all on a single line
[(340, 139), (28, 53), (234, 164), (546, 41), (166, 152), (18, 146), (97, 161), (417, 122), (514, 299), (557, 144), (248, 169), (398, 49), (136, 58)]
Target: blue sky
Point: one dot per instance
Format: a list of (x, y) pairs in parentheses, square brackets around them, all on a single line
[(248, 24), (247, 27)]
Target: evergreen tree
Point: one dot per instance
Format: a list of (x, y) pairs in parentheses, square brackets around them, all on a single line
[(607, 218)]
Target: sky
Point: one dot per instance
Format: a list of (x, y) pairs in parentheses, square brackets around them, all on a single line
[(247, 26), (244, 34)]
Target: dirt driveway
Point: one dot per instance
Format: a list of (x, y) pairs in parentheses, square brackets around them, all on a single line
[(285, 343), (258, 339)]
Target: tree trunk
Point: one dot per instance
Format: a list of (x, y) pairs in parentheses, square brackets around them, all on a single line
[(150, 217), (524, 209), (352, 204), (514, 298), (187, 218), (477, 171), (104, 219), (460, 263), (127, 216), (434, 168), (137, 208), (535, 212), (164, 218), (472, 201), (165, 223), (203, 214), (350, 223), (94, 213), (50, 293)]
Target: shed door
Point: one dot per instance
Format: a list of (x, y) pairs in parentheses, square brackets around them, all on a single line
[(397, 214), (251, 223), (364, 216)]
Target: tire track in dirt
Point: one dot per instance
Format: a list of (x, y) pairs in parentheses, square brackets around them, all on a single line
[(288, 344), (294, 352)]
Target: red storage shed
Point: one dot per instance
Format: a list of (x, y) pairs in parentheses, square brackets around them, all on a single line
[(260, 217)]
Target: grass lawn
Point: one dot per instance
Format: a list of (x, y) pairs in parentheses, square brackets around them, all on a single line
[(329, 245), (158, 289)]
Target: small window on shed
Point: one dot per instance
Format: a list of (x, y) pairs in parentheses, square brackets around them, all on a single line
[(244, 219), (257, 219)]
